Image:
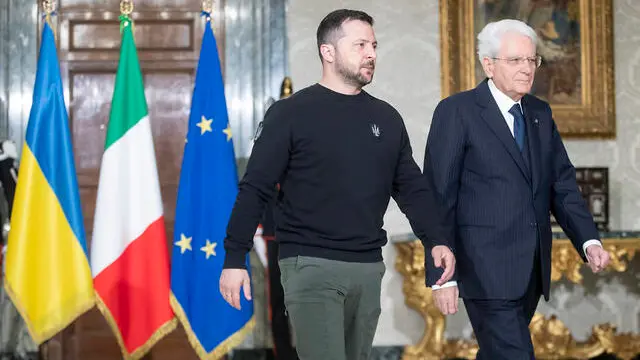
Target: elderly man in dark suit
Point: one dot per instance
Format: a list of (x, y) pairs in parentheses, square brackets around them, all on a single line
[(499, 167)]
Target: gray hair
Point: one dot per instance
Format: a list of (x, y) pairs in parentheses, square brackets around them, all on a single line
[(490, 37)]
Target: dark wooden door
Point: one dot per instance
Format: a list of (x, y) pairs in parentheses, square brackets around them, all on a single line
[(168, 35)]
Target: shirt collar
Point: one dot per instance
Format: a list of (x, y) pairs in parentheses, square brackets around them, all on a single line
[(504, 102)]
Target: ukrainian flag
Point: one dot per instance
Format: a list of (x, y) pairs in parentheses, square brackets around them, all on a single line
[(47, 270), (206, 194)]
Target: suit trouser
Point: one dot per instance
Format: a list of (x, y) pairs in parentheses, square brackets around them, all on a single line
[(282, 347), (334, 306), (502, 326)]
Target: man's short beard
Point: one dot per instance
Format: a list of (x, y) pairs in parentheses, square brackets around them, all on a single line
[(356, 79)]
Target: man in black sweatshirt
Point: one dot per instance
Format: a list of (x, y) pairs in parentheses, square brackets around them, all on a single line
[(339, 155)]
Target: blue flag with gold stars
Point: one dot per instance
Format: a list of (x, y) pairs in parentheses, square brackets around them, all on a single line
[(206, 195)]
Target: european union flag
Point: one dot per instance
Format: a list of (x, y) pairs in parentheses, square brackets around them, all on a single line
[(206, 195)]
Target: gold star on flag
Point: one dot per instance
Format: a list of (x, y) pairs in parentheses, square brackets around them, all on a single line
[(209, 249), (204, 125), (228, 131), (184, 243)]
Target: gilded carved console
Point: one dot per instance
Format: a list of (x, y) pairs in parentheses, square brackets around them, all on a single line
[(551, 338)]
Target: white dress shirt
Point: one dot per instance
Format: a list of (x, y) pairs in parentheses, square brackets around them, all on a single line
[(505, 103)]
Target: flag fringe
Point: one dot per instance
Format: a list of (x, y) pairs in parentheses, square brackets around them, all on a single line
[(39, 338), (219, 351), (143, 349)]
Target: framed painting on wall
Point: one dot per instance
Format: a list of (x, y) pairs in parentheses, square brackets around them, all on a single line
[(575, 40)]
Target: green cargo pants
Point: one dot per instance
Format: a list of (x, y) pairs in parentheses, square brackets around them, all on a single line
[(333, 306)]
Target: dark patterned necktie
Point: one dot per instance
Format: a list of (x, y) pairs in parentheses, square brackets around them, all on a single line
[(518, 125)]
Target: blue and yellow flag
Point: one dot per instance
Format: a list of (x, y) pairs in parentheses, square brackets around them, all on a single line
[(47, 271), (206, 195)]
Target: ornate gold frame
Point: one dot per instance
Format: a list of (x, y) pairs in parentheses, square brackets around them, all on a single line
[(594, 117), (551, 338)]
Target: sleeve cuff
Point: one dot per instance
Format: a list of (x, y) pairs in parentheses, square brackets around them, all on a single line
[(589, 243), (437, 243), (445, 285), (234, 260)]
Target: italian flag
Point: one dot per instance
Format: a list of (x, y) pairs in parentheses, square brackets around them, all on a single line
[(129, 255)]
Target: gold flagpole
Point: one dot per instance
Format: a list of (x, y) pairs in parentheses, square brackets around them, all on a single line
[(207, 6), (207, 10), (126, 8), (49, 8)]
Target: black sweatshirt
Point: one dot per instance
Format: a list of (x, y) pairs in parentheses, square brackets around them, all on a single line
[(338, 159)]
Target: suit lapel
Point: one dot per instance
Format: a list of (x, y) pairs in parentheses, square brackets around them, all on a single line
[(490, 113), (532, 122)]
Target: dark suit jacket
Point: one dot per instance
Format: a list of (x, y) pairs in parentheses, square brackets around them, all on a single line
[(497, 207)]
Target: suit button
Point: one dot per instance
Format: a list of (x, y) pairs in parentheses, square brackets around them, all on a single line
[(534, 224)]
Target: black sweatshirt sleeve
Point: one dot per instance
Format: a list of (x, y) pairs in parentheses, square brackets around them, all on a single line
[(268, 161), (416, 200)]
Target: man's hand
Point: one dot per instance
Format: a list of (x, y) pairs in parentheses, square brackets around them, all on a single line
[(446, 299), (598, 258), (443, 257), (231, 280)]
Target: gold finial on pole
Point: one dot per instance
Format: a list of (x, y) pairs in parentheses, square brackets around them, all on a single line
[(207, 9), (207, 6), (48, 6), (286, 89), (126, 7)]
